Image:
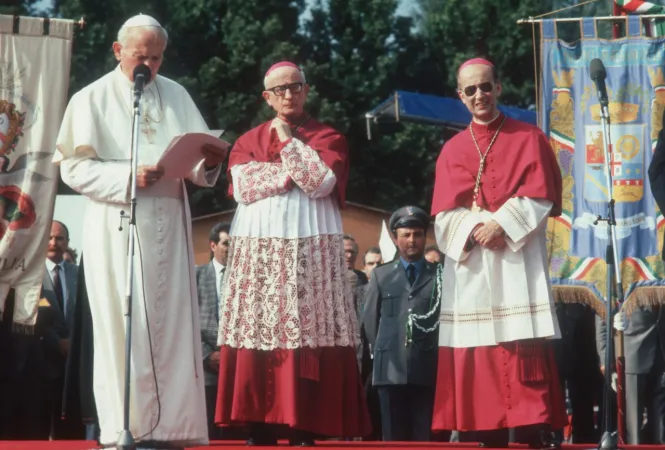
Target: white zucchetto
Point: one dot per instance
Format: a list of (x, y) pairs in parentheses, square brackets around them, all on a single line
[(141, 20)]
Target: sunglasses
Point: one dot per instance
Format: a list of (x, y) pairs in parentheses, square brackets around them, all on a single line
[(280, 91), (485, 87)]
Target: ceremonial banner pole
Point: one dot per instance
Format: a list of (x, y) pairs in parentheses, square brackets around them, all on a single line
[(609, 439), (577, 19)]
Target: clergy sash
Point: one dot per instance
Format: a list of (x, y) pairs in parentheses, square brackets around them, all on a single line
[(34, 78)]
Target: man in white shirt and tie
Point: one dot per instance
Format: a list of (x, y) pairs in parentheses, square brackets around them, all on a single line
[(209, 282)]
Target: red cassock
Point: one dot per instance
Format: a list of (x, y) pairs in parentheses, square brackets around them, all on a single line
[(504, 386), (313, 388), (514, 383)]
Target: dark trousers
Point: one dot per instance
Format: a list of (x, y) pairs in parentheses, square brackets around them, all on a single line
[(71, 426), (24, 409), (584, 393), (374, 409), (406, 412), (646, 391), (214, 432)]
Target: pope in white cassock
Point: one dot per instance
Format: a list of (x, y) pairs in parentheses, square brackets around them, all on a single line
[(94, 149)]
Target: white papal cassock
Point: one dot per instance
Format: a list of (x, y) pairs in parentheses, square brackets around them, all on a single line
[(167, 393)]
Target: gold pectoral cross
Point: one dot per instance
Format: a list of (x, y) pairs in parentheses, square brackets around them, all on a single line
[(474, 206), (148, 131)]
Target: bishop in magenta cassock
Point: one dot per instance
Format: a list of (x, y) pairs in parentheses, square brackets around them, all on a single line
[(496, 184), (287, 320)]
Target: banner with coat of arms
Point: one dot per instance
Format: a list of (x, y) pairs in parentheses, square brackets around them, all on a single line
[(35, 56), (570, 116)]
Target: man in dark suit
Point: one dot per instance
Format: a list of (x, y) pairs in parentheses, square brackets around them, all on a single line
[(59, 288), (644, 341), (400, 318), (209, 282)]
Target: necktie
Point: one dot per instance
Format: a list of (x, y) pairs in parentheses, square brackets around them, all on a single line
[(57, 287), (411, 273), (220, 282)]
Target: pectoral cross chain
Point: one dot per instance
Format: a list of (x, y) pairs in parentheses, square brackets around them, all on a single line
[(148, 130), (481, 166)]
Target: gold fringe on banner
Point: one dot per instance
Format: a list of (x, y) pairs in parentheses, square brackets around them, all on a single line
[(644, 296), (579, 294)]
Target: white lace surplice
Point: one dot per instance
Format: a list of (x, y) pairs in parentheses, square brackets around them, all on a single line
[(287, 284)]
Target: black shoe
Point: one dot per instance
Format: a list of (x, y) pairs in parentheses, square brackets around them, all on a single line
[(545, 441), (255, 441), (301, 442)]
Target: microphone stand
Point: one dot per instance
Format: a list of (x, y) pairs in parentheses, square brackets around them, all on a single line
[(126, 440), (610, 438)]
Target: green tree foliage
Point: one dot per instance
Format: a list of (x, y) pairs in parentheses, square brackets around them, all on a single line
[(483, 28), (358, 52), (19, 7)]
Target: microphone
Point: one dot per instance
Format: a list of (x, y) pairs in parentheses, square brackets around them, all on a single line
[(141, 78), (598, 75)]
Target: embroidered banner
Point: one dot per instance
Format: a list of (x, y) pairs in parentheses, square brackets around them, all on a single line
[(571, 117), (34, 77)]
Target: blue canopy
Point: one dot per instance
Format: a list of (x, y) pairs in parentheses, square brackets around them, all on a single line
[(424, 108)]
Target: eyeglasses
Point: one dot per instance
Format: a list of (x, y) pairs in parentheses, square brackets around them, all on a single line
[(470, 91), (281, 90)]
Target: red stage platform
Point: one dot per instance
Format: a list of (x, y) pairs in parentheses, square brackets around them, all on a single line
[(325, 445)]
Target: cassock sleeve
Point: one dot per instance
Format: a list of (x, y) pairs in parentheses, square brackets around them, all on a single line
[(519, 217), (452, 229), (102, 181), (372, 311), (255, 181), (80, 166), (307, 169)]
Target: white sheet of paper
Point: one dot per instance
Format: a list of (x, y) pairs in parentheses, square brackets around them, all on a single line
[(185, 152)]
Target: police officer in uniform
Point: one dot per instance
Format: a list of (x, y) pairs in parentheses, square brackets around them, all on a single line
[(400, 319)]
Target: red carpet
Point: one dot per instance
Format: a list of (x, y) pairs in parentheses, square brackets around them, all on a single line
[(326, 445)]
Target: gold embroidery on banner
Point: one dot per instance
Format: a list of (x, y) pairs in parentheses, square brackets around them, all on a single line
[(562, 115), (11, 126)]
